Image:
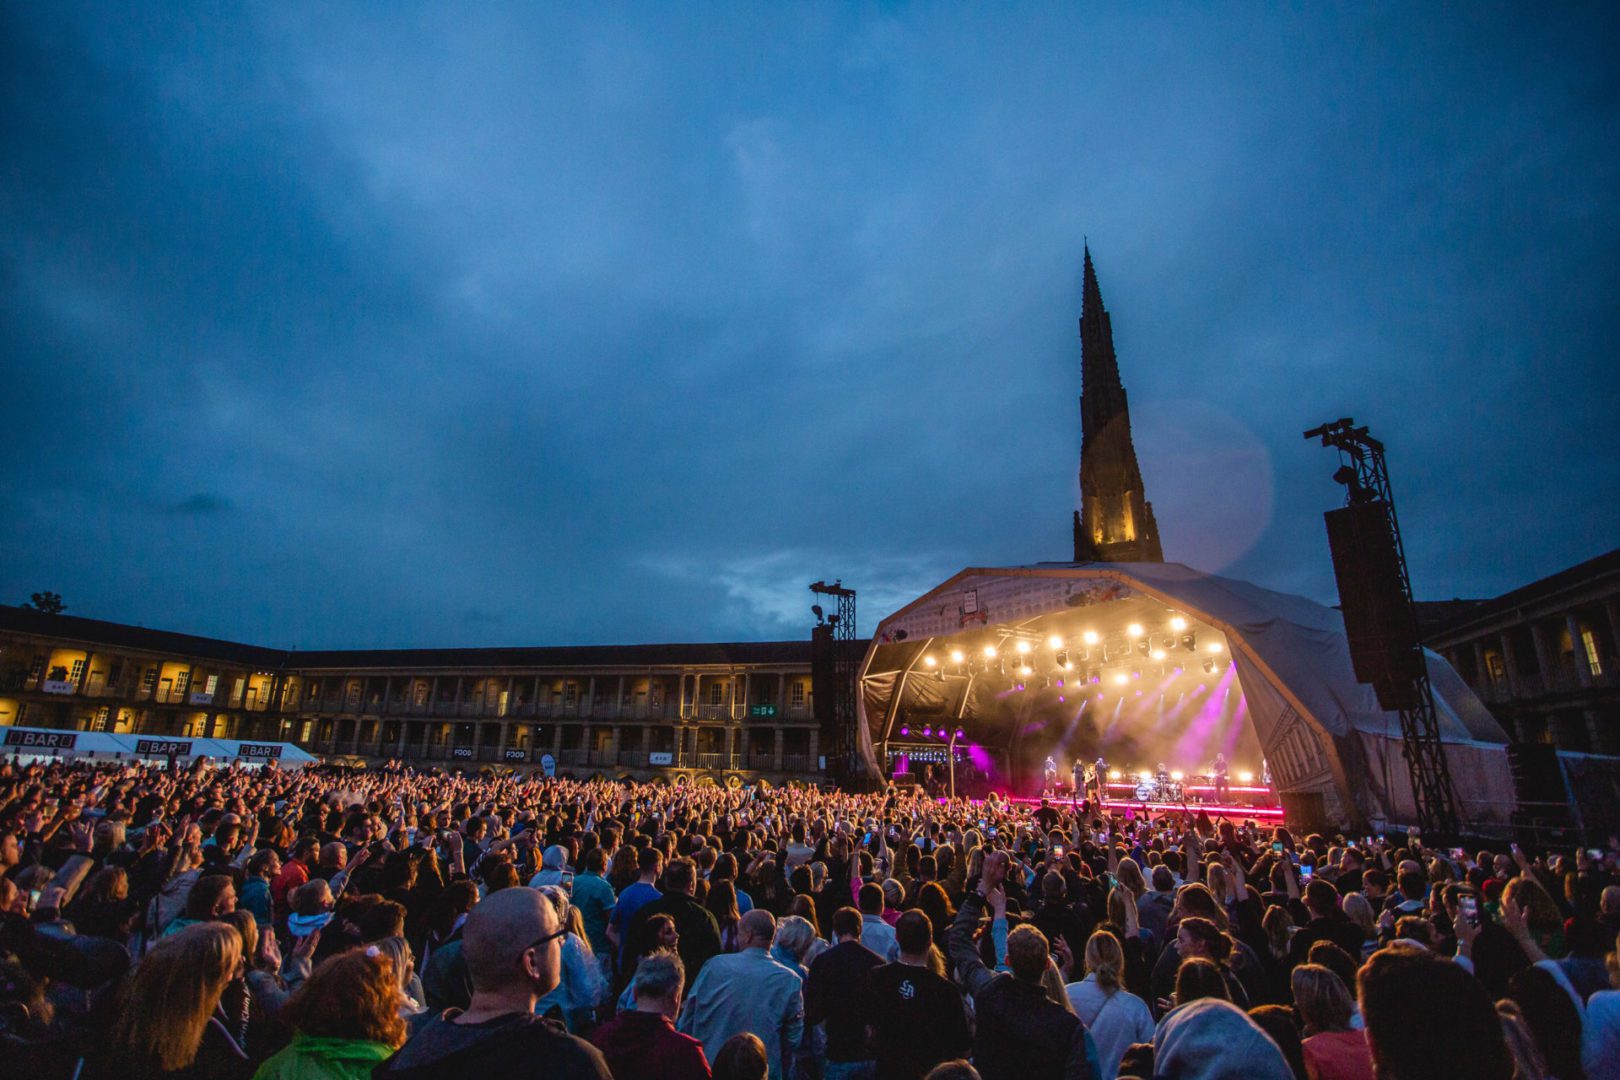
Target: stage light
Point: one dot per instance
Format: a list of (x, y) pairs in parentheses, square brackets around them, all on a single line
[(1245, 777), (930, 661), (1022, 646), (1090, 637), (1144, 775), (1055, 641), (1158, 654), (1060, 684), (1189, 642), (956, 656), (1134, 630), (928, 732), (1209, 667), (1061, 699), (1178, 624), (1026, 671), (1177, 775), (1121, 679), (905, 731), (959, 733), (1063, 661), (1213, 647), (990, 650), (1143, 647)]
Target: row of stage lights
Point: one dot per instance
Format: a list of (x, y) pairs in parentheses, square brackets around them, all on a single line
[(1176, 775), (1140, 643), (929, 732)]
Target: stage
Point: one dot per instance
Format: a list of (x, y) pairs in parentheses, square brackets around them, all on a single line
[(1271, 814)]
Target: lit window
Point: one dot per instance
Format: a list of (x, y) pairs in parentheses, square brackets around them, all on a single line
[(1593, 660), (149, 680), (76, 672), (211, 685), (717, 693), (796, 697), (182, 681)]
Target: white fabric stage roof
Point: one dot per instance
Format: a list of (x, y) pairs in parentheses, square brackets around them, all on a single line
[(1321, 730)]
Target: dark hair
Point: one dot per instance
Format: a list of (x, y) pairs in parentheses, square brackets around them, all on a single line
[(914, 933), (1214, 940), (1321, 897), (871, 899), (742, 1058), (205, 893), (680, 875), (1198, 978), (846, 922), (1277, 1021), (593, 861), (1335, 959), (650, 860), (1428, 1017)]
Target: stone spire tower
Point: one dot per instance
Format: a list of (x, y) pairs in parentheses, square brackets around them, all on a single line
[(1115, 522)]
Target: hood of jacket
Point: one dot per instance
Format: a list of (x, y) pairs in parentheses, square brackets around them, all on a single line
[(1212, 1039)]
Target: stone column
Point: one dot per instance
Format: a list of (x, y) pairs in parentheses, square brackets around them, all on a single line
[(1545, 660), (1577, 648), (815, 748), (1510, 662), (776, 748)]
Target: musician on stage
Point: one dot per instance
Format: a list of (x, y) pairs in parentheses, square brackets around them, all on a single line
[(1219, 770), (1078, 779), (1051, 776), (1099, 777)]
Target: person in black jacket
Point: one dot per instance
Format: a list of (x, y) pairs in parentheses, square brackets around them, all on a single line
[(699, 932), (512, 943), (1022, 1033), (832, 990)]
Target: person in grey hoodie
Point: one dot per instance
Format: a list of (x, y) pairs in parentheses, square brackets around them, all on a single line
[(1211, 1039)]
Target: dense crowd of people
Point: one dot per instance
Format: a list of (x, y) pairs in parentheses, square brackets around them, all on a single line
[(322, 924)]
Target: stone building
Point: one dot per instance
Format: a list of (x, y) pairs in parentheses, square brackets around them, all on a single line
[(700, 712), (1543, 657)]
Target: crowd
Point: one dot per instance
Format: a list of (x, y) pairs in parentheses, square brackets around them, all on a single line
[(324, 924)]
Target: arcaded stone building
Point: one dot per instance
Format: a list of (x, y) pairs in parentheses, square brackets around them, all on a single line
[(721, 712)]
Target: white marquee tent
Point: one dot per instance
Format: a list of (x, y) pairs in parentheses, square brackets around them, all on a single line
[(1322, 732), (104, 746)]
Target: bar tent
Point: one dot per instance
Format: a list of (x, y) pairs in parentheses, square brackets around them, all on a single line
[(1322, 732), (102, 745)]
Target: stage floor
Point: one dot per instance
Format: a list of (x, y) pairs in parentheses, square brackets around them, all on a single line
[(1118, 806)]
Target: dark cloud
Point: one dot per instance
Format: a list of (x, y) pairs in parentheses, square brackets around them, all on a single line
[(534, 328)]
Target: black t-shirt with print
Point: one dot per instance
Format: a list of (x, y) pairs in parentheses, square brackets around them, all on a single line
[(917, 1020)]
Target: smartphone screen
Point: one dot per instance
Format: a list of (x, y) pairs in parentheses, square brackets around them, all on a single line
[(1057, 851), (1276, 846), (992, 831), (1305, 872), (868, 839), (1468, 907)]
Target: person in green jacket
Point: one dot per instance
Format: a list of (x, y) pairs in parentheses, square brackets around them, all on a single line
[(345, 1019)]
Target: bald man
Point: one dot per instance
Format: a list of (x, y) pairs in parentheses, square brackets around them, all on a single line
[(748, 991), (512, 945)]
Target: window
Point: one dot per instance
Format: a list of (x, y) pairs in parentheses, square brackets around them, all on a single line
[(570, 694), (419, 694), (115, 672), (99, 723), (182, 681), (796, 695), (717, 692), (76, 672), (211, 685), (148, 680), (1593, 660), (37, 668)]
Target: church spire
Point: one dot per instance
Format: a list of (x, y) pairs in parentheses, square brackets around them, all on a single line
[(1115, 522)]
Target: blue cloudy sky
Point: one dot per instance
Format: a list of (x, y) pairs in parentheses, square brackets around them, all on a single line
[(389, 324)]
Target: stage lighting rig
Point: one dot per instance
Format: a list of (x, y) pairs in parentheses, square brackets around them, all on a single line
[(1090, 637), (1177, 623)]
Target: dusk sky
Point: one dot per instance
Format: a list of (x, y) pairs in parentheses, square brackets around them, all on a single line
[(382, 324)]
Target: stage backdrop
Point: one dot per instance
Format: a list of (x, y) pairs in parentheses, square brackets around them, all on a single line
[(1321, 731)]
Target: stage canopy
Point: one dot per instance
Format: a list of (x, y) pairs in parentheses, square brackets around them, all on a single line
[(1153, 662)]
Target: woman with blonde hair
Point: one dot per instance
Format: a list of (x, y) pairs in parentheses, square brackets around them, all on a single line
[(1359, 910), (1115, 1017), (345, 1020), (1333, 1051), (166, 1024)]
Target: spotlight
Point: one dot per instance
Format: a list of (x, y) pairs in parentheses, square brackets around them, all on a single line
[(1121, 679), (1213, 647), (1114, 774), (1059, 685), (930, 661), (1022, 646), (905, 731), (1062, 659), (1178, 624), (956, 656), (1177, 775), (1189, 642), (1143, 647), (1061, 699), (990, 650), (1245, 777), (1055, 641), (928, 732), (1090, 637), (1158, 654), (1026, 671), (1133, 631), (1136, 673), (959, 733), (1144, 775), (1209, 667)]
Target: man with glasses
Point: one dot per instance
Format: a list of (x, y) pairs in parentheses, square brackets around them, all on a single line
[(512, 947)]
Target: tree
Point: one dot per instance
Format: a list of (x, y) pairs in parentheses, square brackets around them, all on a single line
[(48, 602)]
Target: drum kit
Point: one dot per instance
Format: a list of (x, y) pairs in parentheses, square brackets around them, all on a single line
[(1162, 790)]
